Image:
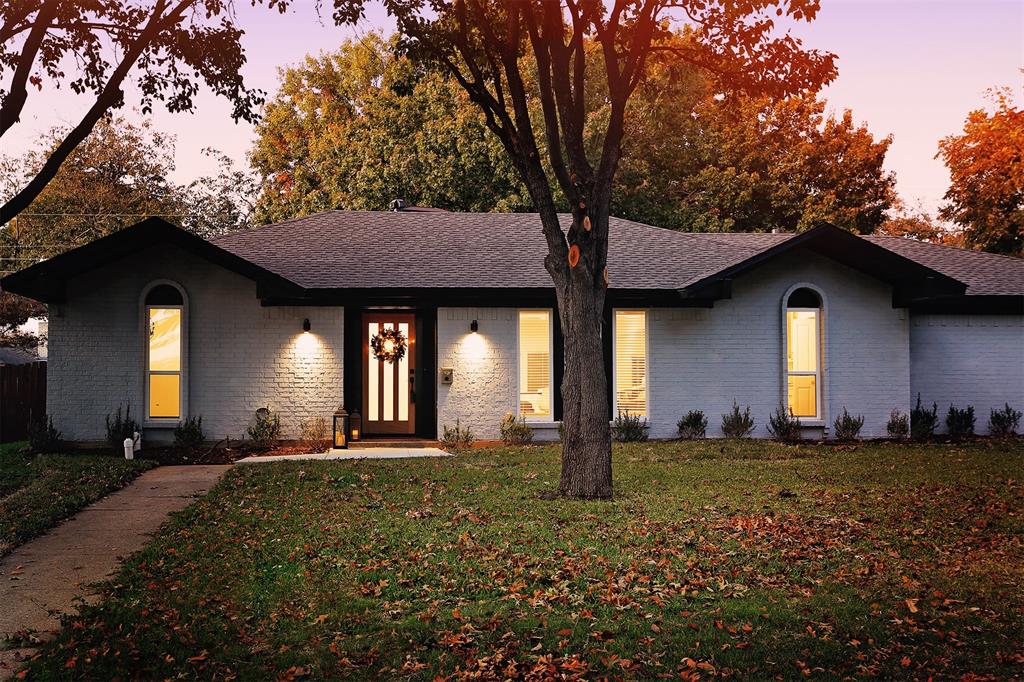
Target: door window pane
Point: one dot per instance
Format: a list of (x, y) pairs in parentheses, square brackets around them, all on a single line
[(631, 362), (372, 387), (535, 387)]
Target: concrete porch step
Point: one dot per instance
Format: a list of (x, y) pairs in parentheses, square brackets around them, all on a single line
[(406, 443)]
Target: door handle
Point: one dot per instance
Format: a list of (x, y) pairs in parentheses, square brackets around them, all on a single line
[(412, 386)]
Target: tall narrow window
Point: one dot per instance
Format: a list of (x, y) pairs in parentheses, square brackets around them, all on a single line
[(630, 370), (164, 350), (535, 388), (803, 353)]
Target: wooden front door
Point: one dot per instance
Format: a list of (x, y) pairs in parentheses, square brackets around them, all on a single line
[(389, 390)]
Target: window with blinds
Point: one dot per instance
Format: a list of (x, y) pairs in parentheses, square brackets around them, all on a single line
[(803, 353), (535, 388), (630, 368)]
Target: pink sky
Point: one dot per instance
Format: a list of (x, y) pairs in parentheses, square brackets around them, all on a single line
[(913, 68)]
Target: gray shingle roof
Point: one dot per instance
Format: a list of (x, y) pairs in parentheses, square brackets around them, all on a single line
[(985, 274), (435, 249)]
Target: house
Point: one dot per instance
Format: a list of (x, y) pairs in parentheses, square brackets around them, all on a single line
[(285, 316)]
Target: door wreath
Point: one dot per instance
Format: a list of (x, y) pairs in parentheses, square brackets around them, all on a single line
[(389, 345)]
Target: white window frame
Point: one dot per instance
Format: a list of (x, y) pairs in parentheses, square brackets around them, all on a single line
[(820, 375), (551, 365), (647, 360), (144, 308)]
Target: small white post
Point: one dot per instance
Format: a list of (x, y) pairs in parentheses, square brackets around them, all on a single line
[(129, 452)]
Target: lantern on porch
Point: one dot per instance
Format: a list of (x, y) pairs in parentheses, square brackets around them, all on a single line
[(355, 426), (341, 428)]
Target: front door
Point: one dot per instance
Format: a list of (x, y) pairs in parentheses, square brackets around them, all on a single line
[(389, 390)]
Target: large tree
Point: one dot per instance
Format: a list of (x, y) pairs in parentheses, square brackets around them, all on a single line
[(364, 125), (986, 167), (171, 46), (484, 45), (695, 160)]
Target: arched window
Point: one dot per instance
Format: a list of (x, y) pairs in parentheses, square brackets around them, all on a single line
[(165, 352), (804, 353)]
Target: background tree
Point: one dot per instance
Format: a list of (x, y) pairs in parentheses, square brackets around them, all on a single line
[(986, 167), (15, 311), (359, 127), (119, 175), (695, 160), (482, 43), (170, 45), (116, 177), (918, 224)]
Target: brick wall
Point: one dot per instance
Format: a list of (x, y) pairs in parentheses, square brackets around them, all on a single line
[(967, 360), (241, 356), (705, 358), (485, 380)]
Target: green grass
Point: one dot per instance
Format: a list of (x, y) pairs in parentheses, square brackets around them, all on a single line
[(878, 560), (38, 492)]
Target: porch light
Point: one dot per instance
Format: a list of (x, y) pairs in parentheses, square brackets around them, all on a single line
[(474, 326), (355, 426), (306, 326), (341, 428)]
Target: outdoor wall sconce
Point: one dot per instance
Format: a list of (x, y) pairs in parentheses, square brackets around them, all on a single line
[(474, 326), (306, 326), (355, 425), (341, 428)]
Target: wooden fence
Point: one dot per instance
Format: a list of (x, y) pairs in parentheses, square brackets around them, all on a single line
[(22, 398)]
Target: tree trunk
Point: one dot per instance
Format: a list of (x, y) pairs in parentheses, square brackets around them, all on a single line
[(586, 440)]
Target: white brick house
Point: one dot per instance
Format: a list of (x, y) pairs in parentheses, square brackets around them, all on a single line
[(282, 317)]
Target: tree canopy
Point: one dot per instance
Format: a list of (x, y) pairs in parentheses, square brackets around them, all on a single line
[(361, 126), (986, 167), (364, 125)]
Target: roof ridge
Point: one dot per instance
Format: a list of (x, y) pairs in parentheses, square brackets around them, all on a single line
[(711, 236), (962, 249)]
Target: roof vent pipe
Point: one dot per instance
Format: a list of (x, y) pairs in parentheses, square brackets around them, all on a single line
[(397, 204)]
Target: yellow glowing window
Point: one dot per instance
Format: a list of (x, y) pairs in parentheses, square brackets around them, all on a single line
[(164, 345), (630, 369), (803, 353), (535, 386)]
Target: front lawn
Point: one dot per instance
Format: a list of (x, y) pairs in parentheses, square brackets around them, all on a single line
[(37, 492), (750, 560)]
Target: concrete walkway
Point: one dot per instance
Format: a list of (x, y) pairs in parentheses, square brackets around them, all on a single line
[(42, 579), (352, 453)]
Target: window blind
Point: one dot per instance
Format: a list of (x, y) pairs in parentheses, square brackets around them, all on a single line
[(630, 368)]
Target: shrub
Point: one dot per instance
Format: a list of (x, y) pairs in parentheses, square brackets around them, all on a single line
[(899, 425), (42, 436), (515, 431), (315, 435), (189, 433), (629, 428), (923, 421), (847, 427), (457, 438), (959, 422), (266, 428), (1004, 422), (737, 424), (692, 426), (783, 425), (118, 429)]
